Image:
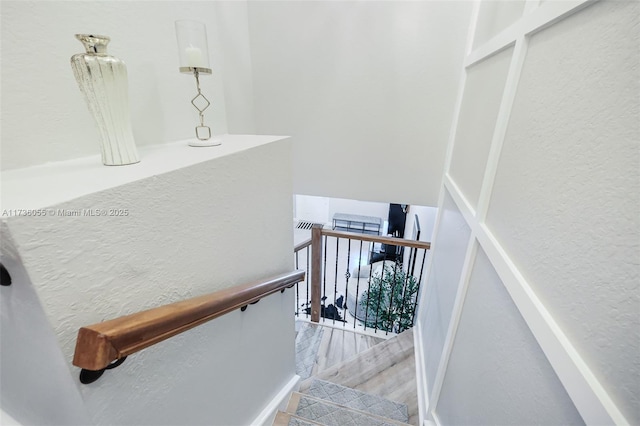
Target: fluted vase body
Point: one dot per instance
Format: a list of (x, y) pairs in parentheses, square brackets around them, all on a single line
[(103, 81)]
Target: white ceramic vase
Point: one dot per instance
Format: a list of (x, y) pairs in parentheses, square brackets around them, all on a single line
[(103, 81)]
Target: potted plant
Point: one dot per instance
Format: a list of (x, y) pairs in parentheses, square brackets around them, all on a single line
[(390, 301)]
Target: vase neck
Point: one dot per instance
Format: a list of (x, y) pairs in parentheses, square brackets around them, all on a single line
[(94, 44)]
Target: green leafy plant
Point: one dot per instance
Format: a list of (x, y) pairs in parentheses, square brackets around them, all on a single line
[(390, 300)]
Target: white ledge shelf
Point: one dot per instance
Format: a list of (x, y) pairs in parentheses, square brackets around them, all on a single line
[(54, 183)]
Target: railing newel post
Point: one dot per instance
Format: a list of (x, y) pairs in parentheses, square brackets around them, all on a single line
[(316, 271)]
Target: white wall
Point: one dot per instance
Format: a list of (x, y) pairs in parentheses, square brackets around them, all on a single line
[(313, 209), (438, 296), (232, 27), (322, 209), (364, 208), (426, 219), (36, 386), (478, 362), (366, 89), (194, 230), (44, 116), (544, 328)]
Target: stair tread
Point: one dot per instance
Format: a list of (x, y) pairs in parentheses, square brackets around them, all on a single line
[(386, 369), (288, 419), (362, 401), (308, 340), (331, 414)]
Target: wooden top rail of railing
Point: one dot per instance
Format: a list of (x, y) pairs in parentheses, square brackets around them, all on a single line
[(367, 237), (377, 239), (302, 245), (100, 344)]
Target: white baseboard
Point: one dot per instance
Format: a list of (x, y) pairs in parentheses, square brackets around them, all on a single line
[(279, 402)]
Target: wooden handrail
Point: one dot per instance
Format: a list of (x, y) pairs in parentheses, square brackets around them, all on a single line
[(378, 239), (100, 344), (302, 245)]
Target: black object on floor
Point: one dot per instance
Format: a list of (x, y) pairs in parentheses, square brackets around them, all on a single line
[(5, 278), (328, 312)]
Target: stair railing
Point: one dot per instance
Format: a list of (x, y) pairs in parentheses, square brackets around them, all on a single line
[(304, 248), (99, 345), (378, 288)]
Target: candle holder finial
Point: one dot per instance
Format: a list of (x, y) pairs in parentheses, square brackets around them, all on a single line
[(194, 59)]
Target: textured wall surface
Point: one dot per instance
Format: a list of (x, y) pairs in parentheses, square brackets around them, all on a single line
[(480, 104), (437, 298), (567, 192), (493, 355), (554, 296), (188, 232), (34, 371), (361, 86), (44, 116)]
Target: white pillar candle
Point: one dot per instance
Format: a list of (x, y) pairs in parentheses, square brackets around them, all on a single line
[(194, 57)]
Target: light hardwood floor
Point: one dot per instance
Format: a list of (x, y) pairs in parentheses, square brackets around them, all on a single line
[(339, 345), (380, 367)]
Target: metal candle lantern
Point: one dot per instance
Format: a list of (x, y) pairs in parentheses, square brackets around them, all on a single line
[(194, 59)]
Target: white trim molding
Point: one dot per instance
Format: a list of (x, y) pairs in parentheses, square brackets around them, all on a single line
[(589, 396), (279, 402)]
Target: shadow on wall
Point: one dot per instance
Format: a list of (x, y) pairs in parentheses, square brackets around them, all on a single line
[(36, 385)]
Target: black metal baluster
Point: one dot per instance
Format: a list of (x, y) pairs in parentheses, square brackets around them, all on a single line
[(393, 288), (404, 295), (366, 318), (335, 286), (415, 309), (415, 257), (347, 276), (355, 314), (380, 290)]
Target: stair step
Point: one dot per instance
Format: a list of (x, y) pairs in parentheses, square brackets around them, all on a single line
[(288, 419), (308, 340), (358, 400), (332, 414), (386, 370)]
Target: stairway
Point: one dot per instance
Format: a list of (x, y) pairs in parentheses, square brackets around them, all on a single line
[(374, 388)]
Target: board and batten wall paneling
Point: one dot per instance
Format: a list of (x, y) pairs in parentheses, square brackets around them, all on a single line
[(556, 223), (567, 189), (495, 352), (441, 292), (480, 105), (495, 16)]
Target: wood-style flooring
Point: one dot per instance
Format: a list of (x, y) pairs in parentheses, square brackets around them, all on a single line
[(339, 345), (380, 367)]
